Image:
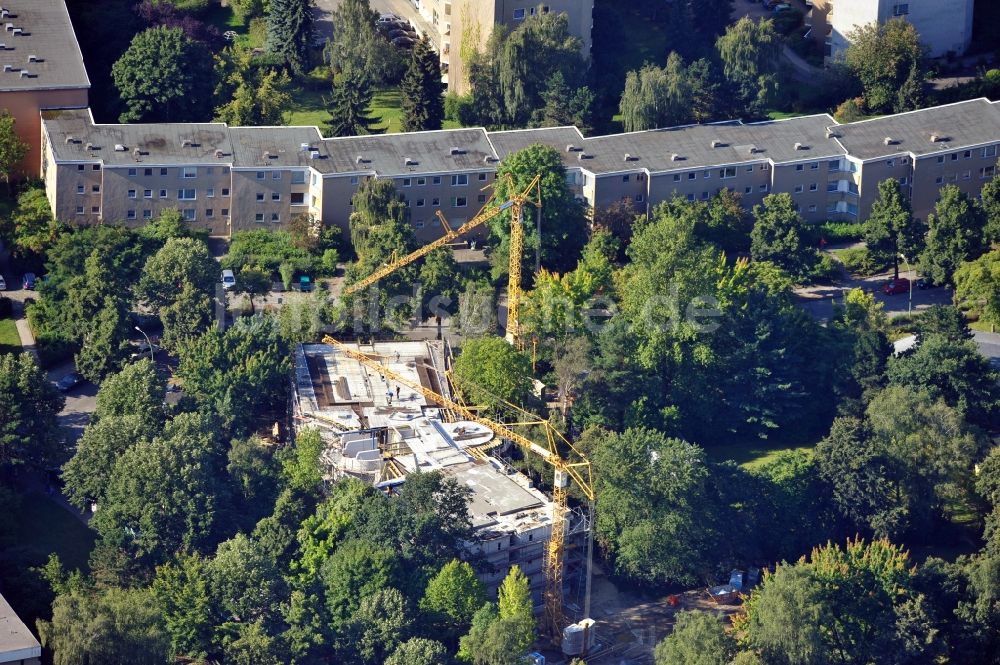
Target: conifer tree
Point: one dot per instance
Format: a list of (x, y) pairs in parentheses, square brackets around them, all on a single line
[(423, 104), (289, 32), (349, 107)]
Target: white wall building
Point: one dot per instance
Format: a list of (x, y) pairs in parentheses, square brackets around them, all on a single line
[(944, 25)]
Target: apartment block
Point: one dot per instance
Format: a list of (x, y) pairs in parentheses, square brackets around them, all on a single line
[(42, 68), (379, 435), (945, 26), (17, 644), (464, 26), (226, 179)]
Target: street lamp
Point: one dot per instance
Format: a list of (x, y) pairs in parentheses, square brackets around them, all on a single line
[(909, 307), (148, 343)]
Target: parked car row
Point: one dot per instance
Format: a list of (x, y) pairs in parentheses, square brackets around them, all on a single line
[(397, 30)]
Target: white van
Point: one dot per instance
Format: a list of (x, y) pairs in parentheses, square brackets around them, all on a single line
[(228, 279)]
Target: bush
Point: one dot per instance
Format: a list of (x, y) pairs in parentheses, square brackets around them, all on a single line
[(319, 79), (838, 232), (858, 261), (330, 259), (267, 250), (825, 271)]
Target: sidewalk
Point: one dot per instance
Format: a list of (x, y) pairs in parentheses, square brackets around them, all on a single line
[(23, 329)]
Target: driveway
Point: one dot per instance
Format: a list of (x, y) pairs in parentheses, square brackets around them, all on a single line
[(80, 403), (403, 8)]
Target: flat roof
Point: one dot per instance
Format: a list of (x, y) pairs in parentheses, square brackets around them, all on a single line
[(40, 50), (275, 146), (969, 123), (394, 155), (16, 641)]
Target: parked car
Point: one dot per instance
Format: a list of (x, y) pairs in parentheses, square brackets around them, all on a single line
[(782, 7), (925, 282), (404, 42), (305, 284), (28, 282), (400, 32), (388, 18), (894, 286), (3, 284), (228, 279), (68, 382)]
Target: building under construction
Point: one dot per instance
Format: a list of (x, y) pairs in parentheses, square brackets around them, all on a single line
[(380, 427)]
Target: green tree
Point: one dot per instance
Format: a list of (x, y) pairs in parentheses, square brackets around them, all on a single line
[(164, 77), (260, 99), (454, 595), (564, 225), (349, 104), (778, 236), (290, 32), (891, 230), (105, 343), (12, 148), (698, 638), (254, 645), (112, 626), (945, 320), (29, 404), (655, 97), (989, 200), (490, 371), (33, 230), (514, 606), (379, 625), (419, 651), (186, 317), (105, 440), (889, 61), (183, 600), (180, 272), (955, 234), (750, 51), (357, 45), (245, 584), (564, 106), (423, 92), (977, 285), (356, 569), (252, 282), (493, 640), (137, 391)]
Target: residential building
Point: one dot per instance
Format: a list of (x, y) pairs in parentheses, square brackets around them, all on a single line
[(464, 26), (42, 68), (226, 179), (17, 645), (380, 431), (945, 26)]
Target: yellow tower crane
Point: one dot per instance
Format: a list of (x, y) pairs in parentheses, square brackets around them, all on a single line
[(532, 194), (563, 471)]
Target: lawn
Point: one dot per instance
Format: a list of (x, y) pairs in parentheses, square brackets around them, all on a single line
[(751, 455), (10, 341), (44, 528), (783, 115), (310, 108)]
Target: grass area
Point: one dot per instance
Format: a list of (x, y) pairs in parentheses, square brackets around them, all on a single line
[(45, 528), (10, 341), (224, 19), (784, 115), (751, 455), (310, 108)]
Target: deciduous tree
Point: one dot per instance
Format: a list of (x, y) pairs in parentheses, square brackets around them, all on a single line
[(750, 52), (955, 234), (490, 371), (698, 638), (888, 60), (891, 230), (29, 404)]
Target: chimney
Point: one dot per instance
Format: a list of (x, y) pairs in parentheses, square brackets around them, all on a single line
[(717, 143), (675, 157), (456, 151), (799, 146), (120, 148), (219, 153), (888, 140)]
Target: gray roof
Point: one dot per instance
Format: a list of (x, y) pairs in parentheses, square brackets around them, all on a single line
[(283, 146), (16, 641), (47, 34), (653, 150), (969, 123), (442, 151), (71, 132)]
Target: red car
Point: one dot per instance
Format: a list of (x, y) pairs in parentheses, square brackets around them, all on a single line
[(894, 286)]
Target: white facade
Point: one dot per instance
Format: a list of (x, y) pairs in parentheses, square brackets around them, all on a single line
[(944, 25)]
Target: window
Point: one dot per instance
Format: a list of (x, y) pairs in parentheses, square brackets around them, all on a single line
[(812, 208), (147, 214), (298, 177), (798, 189), (625, 178), (209, 212), (436, 180), (260, 196), (461, 179), (967, 154), (260, 176), (901, 9), (990, 151), (954, 156), (79, 189), (298, 198), (677, 177), (133, 171), (225, 191), (639, 198), (458, 202), (147, 193), (749, 169), (765, 167), (890, 162), (692, 176), (275, 175), (96, 189), (147, 172), (210, 170), (95, 209), (163, 193), (707, 174), (690, 197), (481, 198), (421, 182), (259, 217), (275, 196), (419, 223), (210, 192), (407, 182), (904, 180), (131, 193), (799, 167), (939, 180), (314, 179), (940, 159), (831, 187), (482, 177), (904, 160), (130, 214), (225, 212), (966, 175), (813, 166), (833, 165), (435, 201), (728, 172), (763, 187), (747, 190), (813, 187), (420, 203), (79, 210), (225, 170), (95, 167), (186, 194), (189, 172), (354, 180), (987, 172), (275, 217), (704, 196), (519, 14), (188, 214), (79, 167)]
